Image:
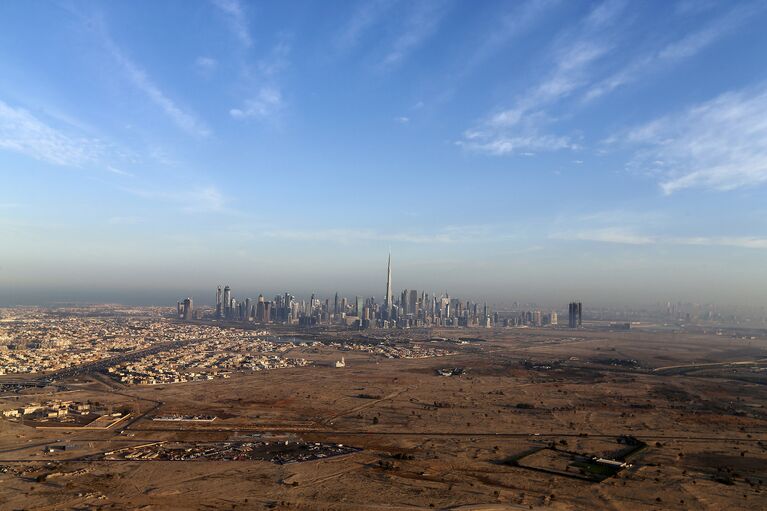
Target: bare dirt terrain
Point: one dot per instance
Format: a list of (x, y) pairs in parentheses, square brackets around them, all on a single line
[(698, 402)]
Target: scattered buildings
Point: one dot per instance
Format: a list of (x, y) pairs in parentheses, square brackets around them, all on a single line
[(279, 452), (231, 350), (65, 414), (43, 341)]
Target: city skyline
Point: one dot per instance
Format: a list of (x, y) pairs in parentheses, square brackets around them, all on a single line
[(383, 254), (531, 151), (411, 310), (414, 309)]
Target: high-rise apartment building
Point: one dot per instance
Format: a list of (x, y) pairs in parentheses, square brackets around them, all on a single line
[(187, 312), (575, 314), (412, 302), (227, 302)]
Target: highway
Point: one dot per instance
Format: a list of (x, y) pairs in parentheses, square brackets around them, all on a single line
[(684, 368), (326, 432)]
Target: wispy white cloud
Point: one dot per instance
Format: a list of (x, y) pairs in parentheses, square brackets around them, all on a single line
[(625, 236), (237, 20), (163, 157), (688, 7), (417, 22), (366, 15), (724, 241), (119, 172), (611, 217), (267, 99), (184, 119), (264, 104), (277, 60), (350, 235), (22, 132), (206, 66), (421, 23), (402, 119), (521, 127), (619, 235), (499, 144), (683, 48), (639, 227), (569, 70), (720, 144), (125, 220), (447, 235), (201, 199), (516, 20), (605, 14)]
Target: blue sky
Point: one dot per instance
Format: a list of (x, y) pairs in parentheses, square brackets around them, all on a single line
[(614, 150)]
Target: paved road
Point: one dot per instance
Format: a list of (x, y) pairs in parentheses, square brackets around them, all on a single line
[(681, 369), (648, 437), (27, 446)]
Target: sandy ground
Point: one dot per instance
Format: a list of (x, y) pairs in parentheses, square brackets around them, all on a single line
[(430, 442)]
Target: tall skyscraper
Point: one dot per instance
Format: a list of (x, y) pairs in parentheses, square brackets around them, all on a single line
[(261, 309), (227, 301), (388, 299), (187, 309), (575, 314), (219, 305)]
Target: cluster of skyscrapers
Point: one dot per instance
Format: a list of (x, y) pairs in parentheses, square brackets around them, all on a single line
[(534, 318), (411, 309)]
